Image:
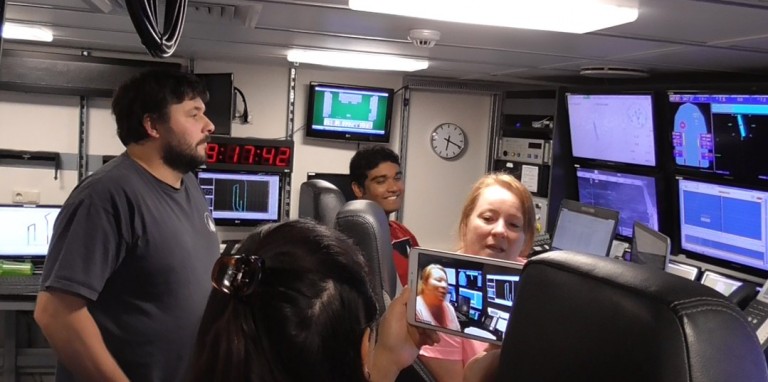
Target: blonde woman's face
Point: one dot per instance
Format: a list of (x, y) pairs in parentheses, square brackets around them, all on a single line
[(495, 227)]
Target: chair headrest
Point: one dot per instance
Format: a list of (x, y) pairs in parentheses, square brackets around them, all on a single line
[(320, 200), (599, 319), (366, 223)]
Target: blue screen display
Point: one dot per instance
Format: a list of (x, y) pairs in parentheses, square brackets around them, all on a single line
[(722, 134), (634, 196), (724, 222)]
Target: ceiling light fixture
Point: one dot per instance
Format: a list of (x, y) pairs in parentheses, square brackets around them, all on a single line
[(356, 60), (26, 32), (573, 16)]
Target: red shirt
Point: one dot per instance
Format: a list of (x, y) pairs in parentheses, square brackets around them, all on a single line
[(402, 242)]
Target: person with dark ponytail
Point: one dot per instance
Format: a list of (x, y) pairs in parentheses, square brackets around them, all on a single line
[(293, 304)]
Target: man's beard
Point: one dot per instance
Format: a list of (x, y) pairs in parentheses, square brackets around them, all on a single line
[(182, 158)]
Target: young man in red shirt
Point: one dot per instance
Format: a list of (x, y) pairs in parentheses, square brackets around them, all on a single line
[(376, 176)]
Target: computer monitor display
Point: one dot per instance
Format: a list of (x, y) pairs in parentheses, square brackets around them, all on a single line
[(584, 229), (349, 113), (722, 134), (634, 196), (25, 231), (219, 107), (612, 128), (241, 199), (724, 222), (649, 247)]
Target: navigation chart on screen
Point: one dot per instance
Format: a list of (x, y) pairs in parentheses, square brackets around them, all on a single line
[(616, 128)]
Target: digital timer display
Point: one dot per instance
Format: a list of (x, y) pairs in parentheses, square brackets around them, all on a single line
[(249, 153)]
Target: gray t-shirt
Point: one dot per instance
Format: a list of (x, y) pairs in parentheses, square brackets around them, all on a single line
[(141, 252)]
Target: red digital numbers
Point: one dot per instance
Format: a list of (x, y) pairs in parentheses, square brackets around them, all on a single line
[(247, 155), (283, 157), (212, 152)]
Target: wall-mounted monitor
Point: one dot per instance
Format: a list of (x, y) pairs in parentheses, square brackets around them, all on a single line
[(614, 128), (634, 196), (349, 113), (721, 134), (220, 106), (241, 198), (724, 223)]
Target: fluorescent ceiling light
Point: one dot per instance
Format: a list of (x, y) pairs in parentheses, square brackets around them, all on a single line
[(356, 60), (573, 16), (26, 32)]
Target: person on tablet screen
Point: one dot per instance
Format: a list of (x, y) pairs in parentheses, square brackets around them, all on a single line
[(431, 304), (498, 220)]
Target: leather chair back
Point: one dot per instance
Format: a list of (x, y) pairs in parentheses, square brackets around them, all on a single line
[(320, 201), (586, 318)]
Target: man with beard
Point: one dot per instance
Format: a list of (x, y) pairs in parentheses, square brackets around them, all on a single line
[(128, 271)]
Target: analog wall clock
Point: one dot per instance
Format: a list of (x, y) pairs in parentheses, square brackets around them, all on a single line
[(448, 141)]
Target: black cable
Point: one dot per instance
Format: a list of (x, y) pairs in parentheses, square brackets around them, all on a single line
[(144, 17), (401, 88), (243, 117)]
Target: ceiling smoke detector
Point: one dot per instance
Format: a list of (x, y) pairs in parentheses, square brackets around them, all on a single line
[(613, 72), (423, 38)]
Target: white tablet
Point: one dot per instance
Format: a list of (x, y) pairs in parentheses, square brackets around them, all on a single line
[(459, 294)]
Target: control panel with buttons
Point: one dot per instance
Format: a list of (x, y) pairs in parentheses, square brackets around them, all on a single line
[(524, 150)]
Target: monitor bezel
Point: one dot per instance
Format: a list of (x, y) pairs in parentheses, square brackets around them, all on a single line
[(597, 161), (707, 259), (230, 222), (599, 212), (25, 257), (669, 113), (310, 132), (658, 182)]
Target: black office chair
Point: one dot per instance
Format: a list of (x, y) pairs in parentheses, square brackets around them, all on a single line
[(320, 201), (586, 318), (366, 223)]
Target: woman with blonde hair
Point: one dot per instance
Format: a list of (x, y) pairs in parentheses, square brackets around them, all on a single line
[(498, 220)]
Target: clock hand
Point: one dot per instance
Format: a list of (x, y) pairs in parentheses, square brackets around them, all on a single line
[(447, 141), (454, 143)]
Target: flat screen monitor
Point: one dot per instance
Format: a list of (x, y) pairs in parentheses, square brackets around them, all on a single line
[(349, 113), (649, 247), (615, 128), (342, 181), (721, 134), (241, 199), (25, 231), (585, 229), (220, 105), (634, 196), (724, 222)]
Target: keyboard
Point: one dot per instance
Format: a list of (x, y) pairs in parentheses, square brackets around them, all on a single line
[(19, 285), (541, 243)]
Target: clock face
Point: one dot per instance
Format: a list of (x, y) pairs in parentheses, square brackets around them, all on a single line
[(448, 141)]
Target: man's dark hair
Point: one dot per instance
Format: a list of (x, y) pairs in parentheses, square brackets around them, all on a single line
[(368, 159), (151, 92)]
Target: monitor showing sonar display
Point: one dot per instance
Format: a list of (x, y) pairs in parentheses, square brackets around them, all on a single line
[(634, 196), (615, 128), (241, 198), (721, 134)]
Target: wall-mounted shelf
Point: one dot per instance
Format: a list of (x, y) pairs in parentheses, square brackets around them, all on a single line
[(32, 159)]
